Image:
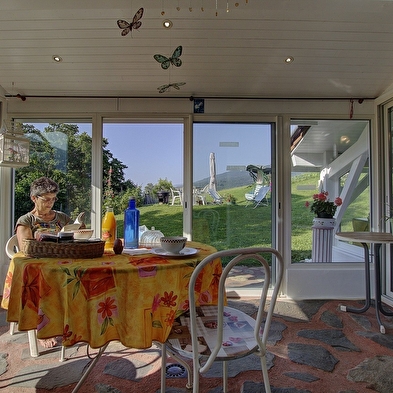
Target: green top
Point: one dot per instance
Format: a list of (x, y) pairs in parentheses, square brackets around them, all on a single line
[(36, 223)]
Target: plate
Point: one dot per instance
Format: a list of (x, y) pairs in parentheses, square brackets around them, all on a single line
[(183, 253)]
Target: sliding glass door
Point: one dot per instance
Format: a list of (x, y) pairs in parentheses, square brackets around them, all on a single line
[(61, 151), (329, 156), (233, 184)]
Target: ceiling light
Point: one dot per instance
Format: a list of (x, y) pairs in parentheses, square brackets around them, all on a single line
[(345, 139), (57, 59), (167, 24), (289, 59)]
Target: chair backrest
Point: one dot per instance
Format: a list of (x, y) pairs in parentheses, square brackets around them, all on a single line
[(261, 193), (215, 195), (12, 246), (238, 255), (257, 188)]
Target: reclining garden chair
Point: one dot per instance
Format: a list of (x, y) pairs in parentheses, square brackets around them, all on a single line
[(217, 198), (258, 196)]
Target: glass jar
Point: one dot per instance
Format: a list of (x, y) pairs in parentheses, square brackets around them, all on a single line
[(151, 238)]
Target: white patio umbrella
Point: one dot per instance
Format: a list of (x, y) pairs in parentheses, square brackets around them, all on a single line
[(213, 180)]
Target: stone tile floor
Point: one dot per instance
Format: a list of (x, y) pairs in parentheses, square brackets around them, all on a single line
[(313, 347)]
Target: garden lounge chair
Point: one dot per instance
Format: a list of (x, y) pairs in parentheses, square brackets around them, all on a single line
[(217, 198), (258, 197), (250, 196)]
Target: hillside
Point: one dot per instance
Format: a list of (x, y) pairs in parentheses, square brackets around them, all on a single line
[(227, 180)]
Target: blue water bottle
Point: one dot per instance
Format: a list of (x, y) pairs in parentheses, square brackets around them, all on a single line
[(131, 225)]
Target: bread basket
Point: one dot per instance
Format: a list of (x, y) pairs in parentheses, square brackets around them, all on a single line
[(34, 248)]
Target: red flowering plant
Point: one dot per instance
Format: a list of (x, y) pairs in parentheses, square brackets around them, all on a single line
[(322, 207)]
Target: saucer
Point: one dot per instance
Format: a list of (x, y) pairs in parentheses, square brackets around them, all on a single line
[(183, 253)]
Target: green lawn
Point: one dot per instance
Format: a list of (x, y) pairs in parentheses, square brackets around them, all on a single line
[(230, 226)]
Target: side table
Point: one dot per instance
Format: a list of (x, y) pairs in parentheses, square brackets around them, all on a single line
[(376, 239)]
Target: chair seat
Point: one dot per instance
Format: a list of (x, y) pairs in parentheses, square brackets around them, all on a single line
[(250, 196), (238, 334)]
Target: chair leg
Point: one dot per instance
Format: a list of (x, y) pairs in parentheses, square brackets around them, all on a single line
[(195, 378), (185, 365), (62, 354), (225, 377), (12, 328), (32, 334), (265, 374)]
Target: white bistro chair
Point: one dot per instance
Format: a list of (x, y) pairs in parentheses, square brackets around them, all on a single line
[(11, 248), (221, 333), (176, 195)]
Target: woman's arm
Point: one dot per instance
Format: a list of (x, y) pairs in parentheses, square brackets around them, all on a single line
[(23, 232)]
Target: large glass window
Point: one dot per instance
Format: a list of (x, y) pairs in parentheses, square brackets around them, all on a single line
[(61, 151), (388, 269), (232, 166), (329, 156), (146, 161)]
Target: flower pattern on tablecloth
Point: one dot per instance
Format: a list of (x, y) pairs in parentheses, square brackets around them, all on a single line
[(34, 286), (106, 310), (156, 302), (94, 281), (169, 299), (170, 318)]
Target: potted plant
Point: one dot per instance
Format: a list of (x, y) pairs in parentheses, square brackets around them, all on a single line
[(231, 200), (322, 207)]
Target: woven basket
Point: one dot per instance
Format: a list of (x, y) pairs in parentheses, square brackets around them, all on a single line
[(34, 248)]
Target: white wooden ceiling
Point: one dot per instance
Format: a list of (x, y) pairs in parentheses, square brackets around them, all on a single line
[(341, 48)]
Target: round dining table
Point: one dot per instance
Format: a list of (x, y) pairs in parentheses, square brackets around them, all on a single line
[(131, 298)]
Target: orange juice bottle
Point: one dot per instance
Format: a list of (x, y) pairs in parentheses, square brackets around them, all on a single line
[(108, 230)]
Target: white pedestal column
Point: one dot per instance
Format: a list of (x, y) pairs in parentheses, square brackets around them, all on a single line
[(322, 239)]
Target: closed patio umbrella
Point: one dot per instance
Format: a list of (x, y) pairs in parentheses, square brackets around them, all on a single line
[(213, 180)]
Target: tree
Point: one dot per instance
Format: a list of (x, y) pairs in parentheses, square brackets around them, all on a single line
[(64, 154), (163, 185)]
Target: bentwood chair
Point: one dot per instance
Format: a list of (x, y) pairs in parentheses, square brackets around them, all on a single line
[(11, 248), (221, 333)]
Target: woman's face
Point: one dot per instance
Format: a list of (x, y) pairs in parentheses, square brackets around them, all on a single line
[(45, 201)]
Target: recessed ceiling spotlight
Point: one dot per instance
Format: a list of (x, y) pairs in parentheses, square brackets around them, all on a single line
[(289, 59), (57, 59), (167, 24)]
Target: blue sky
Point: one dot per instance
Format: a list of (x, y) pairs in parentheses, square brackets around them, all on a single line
[(154, 151)]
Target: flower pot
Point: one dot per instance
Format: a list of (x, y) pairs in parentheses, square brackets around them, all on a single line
[(324, 215), (322, 239)]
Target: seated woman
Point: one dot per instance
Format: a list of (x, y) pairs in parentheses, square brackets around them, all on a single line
[(43, 193)]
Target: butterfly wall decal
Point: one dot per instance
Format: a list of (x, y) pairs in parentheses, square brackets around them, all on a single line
[(175, 59), (164, 88), (135, 24)]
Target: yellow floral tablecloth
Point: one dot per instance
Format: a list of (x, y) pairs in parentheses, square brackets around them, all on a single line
[(130, 298)]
